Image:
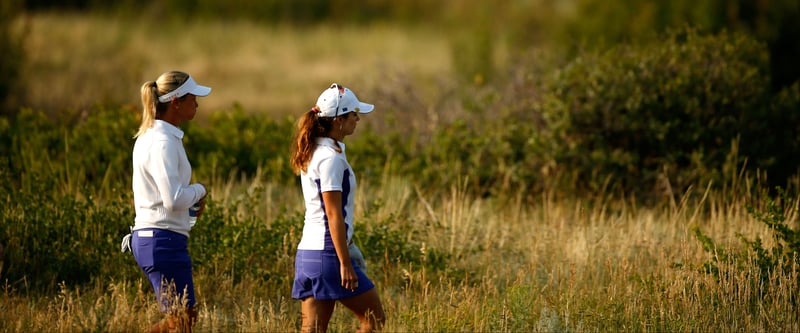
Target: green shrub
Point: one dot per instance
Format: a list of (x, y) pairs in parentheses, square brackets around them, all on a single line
[(597, 22), (235, 239), (672, 109), (783, 256), (397, 241), (786, 252), (648, 120), (65, 202), (50, 238), (780, 144), (236, 143)]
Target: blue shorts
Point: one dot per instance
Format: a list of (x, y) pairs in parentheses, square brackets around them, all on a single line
[(316, 274), (163, 255)]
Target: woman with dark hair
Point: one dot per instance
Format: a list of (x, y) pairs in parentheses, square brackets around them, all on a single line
[(329, 266)]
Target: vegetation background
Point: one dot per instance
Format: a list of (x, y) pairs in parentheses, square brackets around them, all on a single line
[(574, 165)]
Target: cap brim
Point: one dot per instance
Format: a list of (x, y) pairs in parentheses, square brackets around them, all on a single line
[(200, 90), (365, 107)]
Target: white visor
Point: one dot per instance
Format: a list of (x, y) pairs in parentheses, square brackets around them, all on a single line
[(188, 87)]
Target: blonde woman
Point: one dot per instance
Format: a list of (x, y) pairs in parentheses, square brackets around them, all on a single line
[(163, 196), (328, 266)]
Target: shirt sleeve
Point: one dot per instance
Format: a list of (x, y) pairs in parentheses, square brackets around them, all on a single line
[(165, 170), (331, 172)]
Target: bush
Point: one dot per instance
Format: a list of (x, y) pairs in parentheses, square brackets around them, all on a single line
[(780, 144), (232, 237), (50, 238), (596, 22), (783, 256), (646, 120), (64, 199), (235, 143), (671, 110)]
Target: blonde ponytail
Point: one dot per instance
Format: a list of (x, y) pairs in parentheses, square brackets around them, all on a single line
[(151, 107)]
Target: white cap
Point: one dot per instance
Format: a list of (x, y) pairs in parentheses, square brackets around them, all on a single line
[(338, 100), (188, 87)]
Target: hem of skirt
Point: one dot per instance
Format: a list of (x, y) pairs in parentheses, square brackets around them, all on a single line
[(328, 297)]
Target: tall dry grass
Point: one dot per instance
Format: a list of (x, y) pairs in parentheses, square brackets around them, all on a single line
[(549, 265)]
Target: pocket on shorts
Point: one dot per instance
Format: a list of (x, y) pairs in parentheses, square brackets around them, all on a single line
[(143, 250), (311, 262)]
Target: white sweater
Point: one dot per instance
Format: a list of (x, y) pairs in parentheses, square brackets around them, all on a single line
[(162, 194)]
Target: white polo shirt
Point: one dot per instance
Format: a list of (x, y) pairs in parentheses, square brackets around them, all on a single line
[(328, 171), (161, 174)]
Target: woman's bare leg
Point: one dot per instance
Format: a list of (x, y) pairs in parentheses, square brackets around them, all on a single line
[(316, 314), (368, 308)]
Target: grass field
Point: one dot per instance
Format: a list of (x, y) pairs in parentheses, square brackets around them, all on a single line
[(556, 265), (448, 260)]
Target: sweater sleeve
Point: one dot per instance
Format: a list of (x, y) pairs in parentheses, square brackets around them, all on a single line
[(172, 185)]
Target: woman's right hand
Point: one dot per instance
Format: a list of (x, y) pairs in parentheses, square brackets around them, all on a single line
[(202, 201), (202, 207)]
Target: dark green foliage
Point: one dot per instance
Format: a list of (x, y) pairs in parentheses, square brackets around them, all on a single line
[(600, 23), (649, 120), (780, 145), (78, 149), (235, 143), (397, 241), (719, 254), (50, 238), (242, 244), (669, 109), (786, 252)]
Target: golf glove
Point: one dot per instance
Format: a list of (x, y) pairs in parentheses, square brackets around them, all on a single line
[(126, 243)]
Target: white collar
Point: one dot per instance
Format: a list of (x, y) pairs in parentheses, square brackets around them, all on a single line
[(168, 128), (328, 142)]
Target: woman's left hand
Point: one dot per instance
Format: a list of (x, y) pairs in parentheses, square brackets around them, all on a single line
[(349, 278)]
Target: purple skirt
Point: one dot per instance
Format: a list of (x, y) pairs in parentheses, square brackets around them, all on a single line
[(316, 274)]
